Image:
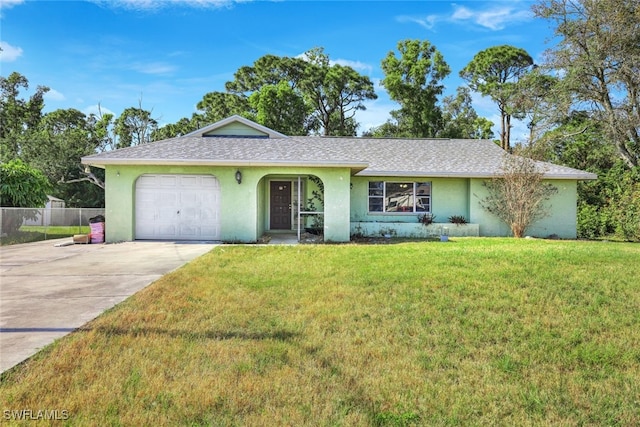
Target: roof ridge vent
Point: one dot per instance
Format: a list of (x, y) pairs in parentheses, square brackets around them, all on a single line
[(236, 136)]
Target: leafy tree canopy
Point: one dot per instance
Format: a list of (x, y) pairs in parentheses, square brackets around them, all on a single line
[(495, 72), (461, 120), (280, 107), (22, 185), (598, 54), (18, 117), (301, 95), (413, 78), (134, 127)]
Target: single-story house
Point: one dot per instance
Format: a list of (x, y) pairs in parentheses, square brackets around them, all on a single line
[(236, 180)]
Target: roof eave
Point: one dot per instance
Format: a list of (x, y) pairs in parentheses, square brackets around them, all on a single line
[(579, 177), (433, 174), (480, 175), (103, 162)]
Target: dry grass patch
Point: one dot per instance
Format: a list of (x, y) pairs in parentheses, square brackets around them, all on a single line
[(472, 332)]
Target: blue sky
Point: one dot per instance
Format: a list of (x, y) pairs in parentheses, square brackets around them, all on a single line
[(170, 53)]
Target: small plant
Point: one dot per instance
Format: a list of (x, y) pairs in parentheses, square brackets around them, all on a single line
[(426, 219), (317, 196), (457, 219), (358, 233), (388, 232)]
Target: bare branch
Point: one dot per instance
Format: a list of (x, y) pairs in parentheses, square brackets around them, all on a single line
[(88, 176)]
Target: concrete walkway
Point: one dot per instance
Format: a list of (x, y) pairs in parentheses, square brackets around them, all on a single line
[(283, 239), (48, 291)]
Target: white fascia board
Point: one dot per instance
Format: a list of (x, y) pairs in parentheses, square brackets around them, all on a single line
[(480, 175), (245, 163), (434, 174)]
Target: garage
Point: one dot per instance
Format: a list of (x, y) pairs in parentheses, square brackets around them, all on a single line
[(177, 207)]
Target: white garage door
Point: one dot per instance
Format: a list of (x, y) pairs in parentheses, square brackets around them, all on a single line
[(177, 207)]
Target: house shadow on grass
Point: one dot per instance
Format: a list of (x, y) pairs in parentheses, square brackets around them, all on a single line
[(218, 335), (394, 240)]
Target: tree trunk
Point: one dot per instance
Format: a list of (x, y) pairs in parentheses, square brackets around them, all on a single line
[(503, 129), (507, 145)]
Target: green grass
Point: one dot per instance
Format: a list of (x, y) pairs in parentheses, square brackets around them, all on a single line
[(36, 233), (472, 332)]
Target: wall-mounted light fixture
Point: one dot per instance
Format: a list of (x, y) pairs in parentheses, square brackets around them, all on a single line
[(238, 176)]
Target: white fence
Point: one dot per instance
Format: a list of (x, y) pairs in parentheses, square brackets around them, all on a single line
[(17, 221)]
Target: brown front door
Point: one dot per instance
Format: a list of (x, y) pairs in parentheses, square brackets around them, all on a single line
[(280, 205)]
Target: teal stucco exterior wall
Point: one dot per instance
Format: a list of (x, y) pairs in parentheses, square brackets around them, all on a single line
[(244, 208), (449, 196), (562, 209), (461, 196)]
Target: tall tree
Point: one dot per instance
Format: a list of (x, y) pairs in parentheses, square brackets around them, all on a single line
[(335, 93), (134, 127), (495, 72), (67, 135), (271, 90), (413, 78), (540, 101), (255, 88), (280, 107), (460, 118), (289, 95), (606, 206), (216, 106), (599, 55), (267, 70), (18, 117), (181, 127)]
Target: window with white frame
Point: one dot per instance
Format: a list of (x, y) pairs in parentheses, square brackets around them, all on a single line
[(398, 197)]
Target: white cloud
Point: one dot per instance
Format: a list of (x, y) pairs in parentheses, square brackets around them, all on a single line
[(483, 105), (376, 114), (493, 18), (519, 131), (154, 5), (153, 68), (9, 53), (54, 95), (7, 4), (461, 12), (356, 65), (97, 110), (427, 22)]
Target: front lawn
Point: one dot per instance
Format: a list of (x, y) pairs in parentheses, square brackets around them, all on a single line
[(36, 233), (469, 332)]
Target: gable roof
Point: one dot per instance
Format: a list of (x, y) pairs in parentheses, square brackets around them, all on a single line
[(364, 156), (237, 126)]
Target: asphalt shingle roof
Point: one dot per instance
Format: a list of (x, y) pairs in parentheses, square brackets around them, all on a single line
[(366, 156)]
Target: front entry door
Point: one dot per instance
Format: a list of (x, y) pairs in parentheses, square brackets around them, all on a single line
[(280, 205)]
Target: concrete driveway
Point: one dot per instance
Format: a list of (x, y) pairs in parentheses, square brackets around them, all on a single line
[(48, 291)]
